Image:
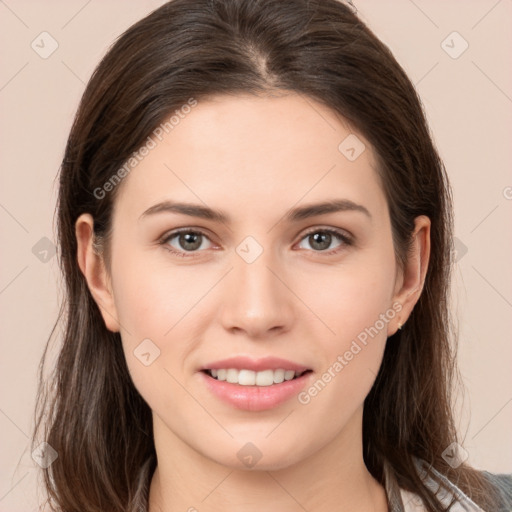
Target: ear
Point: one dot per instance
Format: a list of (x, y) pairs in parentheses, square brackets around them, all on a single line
[(410, 280), (93, 268)]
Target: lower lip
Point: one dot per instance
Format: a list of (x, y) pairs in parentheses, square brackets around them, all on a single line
[(255, 398)]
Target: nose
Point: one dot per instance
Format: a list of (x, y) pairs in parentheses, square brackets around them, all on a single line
[(257, 299)]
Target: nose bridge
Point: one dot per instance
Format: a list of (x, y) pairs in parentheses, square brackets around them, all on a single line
[(256, 300)]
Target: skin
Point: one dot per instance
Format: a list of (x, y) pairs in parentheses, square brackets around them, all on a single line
[(255, 158)]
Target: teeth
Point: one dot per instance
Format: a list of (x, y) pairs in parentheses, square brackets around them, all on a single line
[(251, 378)]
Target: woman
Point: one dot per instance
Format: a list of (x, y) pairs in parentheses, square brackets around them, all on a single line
[(255, 230)]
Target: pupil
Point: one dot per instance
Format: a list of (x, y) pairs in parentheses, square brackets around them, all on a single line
[(325, 240), (190, 238), (192, 241)]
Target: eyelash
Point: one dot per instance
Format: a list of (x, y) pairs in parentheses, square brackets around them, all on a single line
[(347, 241)]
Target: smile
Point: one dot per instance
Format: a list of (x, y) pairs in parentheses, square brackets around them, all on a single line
[(255, 391), (246, 377)]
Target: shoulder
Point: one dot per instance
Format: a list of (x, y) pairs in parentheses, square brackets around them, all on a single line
[(446, 490), (503, 485)]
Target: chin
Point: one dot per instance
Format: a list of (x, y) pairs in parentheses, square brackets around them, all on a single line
[(257, 455)]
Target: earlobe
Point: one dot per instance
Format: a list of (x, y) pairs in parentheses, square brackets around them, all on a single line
[(412, 277), (93, 268)]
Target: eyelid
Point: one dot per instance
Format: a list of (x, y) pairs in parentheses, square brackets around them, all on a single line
[(346, 238), (164, 239), (343, 233)]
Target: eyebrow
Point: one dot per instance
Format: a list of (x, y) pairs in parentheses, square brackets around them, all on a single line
[(293, 215)]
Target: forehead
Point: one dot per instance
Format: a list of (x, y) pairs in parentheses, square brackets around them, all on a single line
[(253, 153)]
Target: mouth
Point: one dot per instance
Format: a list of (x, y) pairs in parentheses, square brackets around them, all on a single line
[(246, 377), (252, 390)]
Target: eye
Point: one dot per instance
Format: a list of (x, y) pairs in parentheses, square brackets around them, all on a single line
[(320, 239), (187, 241), (183, 241)]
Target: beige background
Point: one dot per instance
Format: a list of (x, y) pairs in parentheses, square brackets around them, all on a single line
[(468, 101)]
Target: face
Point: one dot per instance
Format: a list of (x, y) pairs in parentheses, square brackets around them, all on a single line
[(272, 278)]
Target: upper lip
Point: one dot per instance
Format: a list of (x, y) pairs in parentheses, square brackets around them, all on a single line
[(257, 365)]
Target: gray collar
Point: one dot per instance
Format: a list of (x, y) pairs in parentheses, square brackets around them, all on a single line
[(395, 503), (435, 481)]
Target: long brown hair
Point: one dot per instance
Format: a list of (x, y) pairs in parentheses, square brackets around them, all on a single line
[(89, 410)]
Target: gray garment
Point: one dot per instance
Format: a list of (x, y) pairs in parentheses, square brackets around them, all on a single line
[(398, 499), (503, 483), (402, 501)]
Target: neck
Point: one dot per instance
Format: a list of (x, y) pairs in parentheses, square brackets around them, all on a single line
[(332, 478)]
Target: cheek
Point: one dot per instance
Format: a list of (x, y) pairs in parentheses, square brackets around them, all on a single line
[(350, 298), (164, 305), (357, 312), (173, 305), (158, 301), (154, 309), (354, 306), (150, 301)]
